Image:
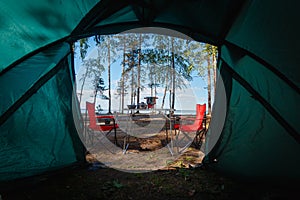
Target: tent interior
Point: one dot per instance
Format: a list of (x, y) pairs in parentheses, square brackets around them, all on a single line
[(257, 42)]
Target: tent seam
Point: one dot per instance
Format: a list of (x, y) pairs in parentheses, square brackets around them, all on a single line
[(31, 91), (267, 65), (292, 132), (32, 53)]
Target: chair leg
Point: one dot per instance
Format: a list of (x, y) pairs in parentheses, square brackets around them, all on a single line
[(189, 142), (125, 144), (178, 141), (200, 135), (116, 139), (88, 138), (167, 137), (115, 134), (173, 141), (115, 129), (94, 138)]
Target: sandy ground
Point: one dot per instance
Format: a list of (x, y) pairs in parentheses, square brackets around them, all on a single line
[(143, 143)]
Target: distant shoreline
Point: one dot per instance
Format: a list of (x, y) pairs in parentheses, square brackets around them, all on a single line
[(177, 112)]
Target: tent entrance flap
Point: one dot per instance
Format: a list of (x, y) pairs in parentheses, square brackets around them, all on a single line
[(28, 145)]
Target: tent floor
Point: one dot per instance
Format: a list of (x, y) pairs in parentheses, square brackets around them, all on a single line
[(93, 181)]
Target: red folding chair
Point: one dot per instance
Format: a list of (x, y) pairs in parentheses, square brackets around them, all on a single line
[(196, 129), (102, 123)]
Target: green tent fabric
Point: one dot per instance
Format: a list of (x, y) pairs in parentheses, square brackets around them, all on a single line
[(38, 133), (257, 41)]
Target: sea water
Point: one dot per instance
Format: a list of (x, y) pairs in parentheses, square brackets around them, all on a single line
[(177, 112)]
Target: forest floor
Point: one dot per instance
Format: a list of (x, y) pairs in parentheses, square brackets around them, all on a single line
[(143, 172), (96, 181)]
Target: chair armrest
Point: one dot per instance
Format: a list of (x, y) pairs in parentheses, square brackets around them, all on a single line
[(105, 120), (188, 118)]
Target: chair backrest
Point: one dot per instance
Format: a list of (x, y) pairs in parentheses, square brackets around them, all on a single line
[(200, 111), (93, 119), (91, 112)]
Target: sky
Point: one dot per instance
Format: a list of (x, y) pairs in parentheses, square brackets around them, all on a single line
[(186, 99)]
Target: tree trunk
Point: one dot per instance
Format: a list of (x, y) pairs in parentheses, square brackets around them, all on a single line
[(139, 71), (173, 74), (109, 78), (151, 80), (95, 97), (83, 82), (164, 97), (165, 91), (215, 71), (208, 85), (132, 83), (155, 85), (122, 78)]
